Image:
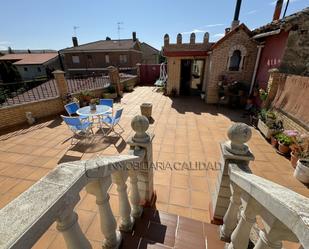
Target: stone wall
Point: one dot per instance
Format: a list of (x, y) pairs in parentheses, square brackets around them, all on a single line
[(219, 60), (295, 58)]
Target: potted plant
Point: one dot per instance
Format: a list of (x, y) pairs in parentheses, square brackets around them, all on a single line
[(85, 97), (301, 171), (263, 94), (267, 120), (111, 92), (284, 142), (128, 87), (276, 127), (93, 104), (299, 148)]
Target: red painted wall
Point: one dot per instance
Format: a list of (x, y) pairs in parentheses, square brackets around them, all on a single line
[(271, 56)]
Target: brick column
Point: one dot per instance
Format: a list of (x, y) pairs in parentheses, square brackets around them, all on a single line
[(275, 78), (115, 79), (61, 83), (138, 72)]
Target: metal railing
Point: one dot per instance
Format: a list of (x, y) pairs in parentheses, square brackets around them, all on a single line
[(27, 91), (82, 83)]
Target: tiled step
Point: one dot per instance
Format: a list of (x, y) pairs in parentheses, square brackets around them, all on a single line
[(156, 229)]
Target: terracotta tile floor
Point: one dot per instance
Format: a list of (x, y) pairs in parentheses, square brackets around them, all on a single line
[(186, 130)]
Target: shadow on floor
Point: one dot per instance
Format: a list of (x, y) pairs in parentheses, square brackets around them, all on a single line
[(16, 130), (194, 104)]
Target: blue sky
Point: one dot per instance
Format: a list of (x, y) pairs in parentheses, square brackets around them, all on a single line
[(38, 24)]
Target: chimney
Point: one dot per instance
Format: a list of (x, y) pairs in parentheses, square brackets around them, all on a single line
[(75, 42), (227, 30), (235, 22), (108, 38), (134, 36), (278, 9)]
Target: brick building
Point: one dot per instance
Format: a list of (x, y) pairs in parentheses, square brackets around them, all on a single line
[(99, 55), (200, 67)]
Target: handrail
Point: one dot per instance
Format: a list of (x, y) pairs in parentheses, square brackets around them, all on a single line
[(26, 218), (289, 207)]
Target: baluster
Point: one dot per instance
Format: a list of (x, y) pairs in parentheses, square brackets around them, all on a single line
[(240, 236), (268, 241), (230, 217), (74, 238), (108, 223), (127, 222), (134, 196)]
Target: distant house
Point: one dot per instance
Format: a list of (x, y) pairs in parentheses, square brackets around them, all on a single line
[(31, 66), (97, 56), (150, 54)]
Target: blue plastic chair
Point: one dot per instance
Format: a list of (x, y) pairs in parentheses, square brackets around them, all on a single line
[(108, 102), (78, 127), (112, 121), (72, 108)]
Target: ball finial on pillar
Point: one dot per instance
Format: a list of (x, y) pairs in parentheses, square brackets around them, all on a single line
[(239, 134), (140, 125)]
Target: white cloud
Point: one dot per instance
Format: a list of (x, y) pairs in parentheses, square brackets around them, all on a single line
[(213, 25), (251, 12), (219, 35), (193, 31), (4, 45)]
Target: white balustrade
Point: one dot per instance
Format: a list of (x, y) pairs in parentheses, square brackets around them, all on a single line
[(24, 220), (284, 213)]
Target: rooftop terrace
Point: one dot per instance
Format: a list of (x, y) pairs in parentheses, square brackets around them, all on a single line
[(186, 130)]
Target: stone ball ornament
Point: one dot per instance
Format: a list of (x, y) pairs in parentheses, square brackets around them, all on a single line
[(239, 134), (140, 125)]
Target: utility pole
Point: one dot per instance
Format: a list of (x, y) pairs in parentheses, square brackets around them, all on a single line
[(118, 29)]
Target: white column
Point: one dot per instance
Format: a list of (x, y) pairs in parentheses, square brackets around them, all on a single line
[(267, 242), (134, 196), (230, 217), (240, 236), (73, 236), (127, 222), (108, 223)]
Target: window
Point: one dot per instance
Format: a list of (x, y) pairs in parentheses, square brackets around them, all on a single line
[(75, 59), (106, 58), (235, 61), (89, 60), (39, 69), (123, 58), (25, 69)]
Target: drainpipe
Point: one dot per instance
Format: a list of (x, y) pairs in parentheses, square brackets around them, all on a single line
[(257, 61)]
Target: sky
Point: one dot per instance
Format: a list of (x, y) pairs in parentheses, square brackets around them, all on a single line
[(41, 24)]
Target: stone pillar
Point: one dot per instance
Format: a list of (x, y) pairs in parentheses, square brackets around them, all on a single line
[(179, 39), (99, 188), (192, 38), (166, 40), (138, 72), (230, 217), (143, 140), (267, 241), (275, 78), (206, 38), (233, 151), (115, 79), (68, 225), (240, 236), (127, 222), (61, 83)]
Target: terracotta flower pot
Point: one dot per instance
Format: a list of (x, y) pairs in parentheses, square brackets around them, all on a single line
[(274, 142), (294, 159), (283, 148)]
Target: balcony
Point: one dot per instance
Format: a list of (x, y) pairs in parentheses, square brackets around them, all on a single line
[(186, 130)]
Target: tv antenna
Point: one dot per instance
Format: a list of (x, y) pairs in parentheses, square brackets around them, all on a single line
[(118, 29), (75, 28)]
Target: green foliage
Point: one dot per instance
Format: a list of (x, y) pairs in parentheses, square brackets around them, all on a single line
[(284, 139), (9, 72), (111, 89)]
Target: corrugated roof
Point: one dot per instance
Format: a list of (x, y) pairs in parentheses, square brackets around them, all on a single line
[(28, 59), (123, 44)]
